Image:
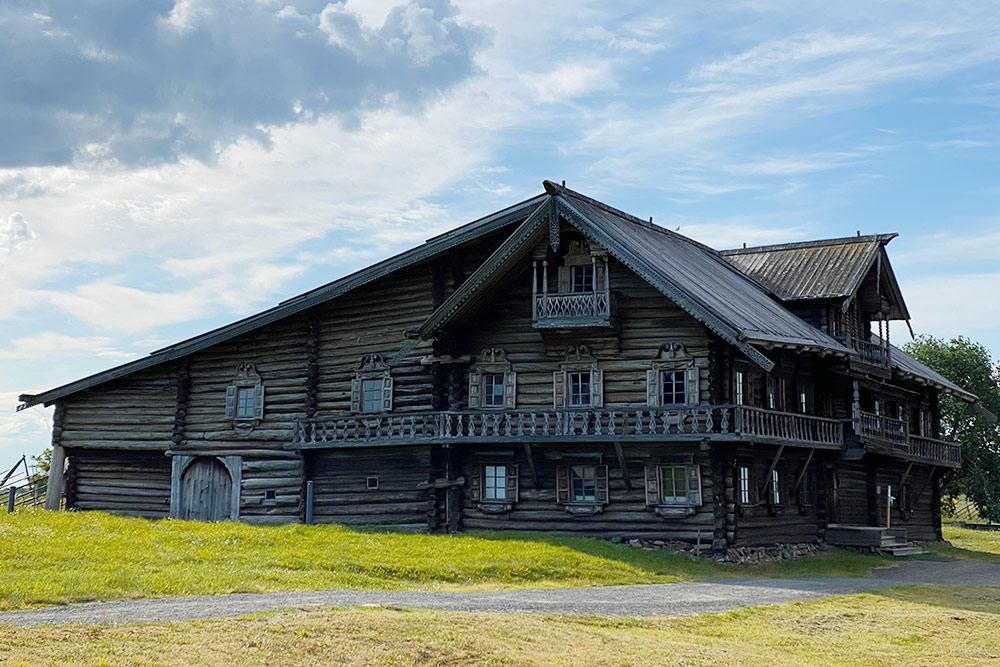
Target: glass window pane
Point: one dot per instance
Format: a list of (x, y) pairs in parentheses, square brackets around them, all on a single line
[(673, 388), (579, 388), (584, 483), (371, 395), (493, 389), (496, 482), (583, 278), (246, 399)]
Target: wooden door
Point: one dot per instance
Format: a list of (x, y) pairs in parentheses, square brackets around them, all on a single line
[(206, 491)]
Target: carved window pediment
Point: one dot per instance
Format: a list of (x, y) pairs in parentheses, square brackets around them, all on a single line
[(245, 399)]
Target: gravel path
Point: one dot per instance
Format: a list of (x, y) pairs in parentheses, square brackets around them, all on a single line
[(652, 600)]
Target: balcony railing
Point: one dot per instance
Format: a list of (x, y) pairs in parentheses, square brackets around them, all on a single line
[(894, 434), (573, 310), (935, 451), (788, 426), (723, 422), (883, 428), (873, 354)]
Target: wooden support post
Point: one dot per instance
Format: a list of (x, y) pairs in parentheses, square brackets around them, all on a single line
[(623, 465), (10, 499), (768, 478), (545, 277), (531, 465), (310, 500), (802, 473), (53, 496)]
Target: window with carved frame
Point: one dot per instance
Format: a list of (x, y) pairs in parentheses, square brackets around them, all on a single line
[(673, 378), (245, 399), (372, 386), (579, 383), (492, 383), (673, 486)]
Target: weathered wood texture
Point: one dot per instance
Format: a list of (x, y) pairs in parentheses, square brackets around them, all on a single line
[(794, 518), (626, 514), (402, 497), (646, 320), (135, 483)]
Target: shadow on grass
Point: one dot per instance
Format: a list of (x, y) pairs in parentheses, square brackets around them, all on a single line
[(984, 599)]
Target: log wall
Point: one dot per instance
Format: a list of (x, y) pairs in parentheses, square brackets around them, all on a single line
[(134, 483), (626, 514)]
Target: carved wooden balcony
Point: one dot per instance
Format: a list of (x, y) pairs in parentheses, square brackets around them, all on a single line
[(713, 422), (581, 309), (884, 435), (871, 357)]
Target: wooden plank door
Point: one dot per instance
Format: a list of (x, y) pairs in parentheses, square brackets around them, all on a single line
[(206, 491)]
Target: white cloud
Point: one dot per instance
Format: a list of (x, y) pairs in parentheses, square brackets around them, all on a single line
[(14, 232), (50, 344)]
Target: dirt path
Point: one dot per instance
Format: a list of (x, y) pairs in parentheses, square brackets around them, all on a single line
[(652, 600)]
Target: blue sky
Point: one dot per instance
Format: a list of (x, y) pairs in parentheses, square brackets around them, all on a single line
[(167, 167)]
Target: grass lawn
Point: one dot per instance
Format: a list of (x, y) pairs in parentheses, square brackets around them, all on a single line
[(60, 557), (927, 625), (970, 544)]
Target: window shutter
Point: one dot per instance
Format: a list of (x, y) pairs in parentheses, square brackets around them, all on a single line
[(652, 486), (476, 483), (231, 402), (694, 485), (562, 484), (512, 484), (601, 485), (652, 391), (475, 389), (564, 278), (558, 389), (259, 402), (692, 386), (356, 395), (510, 390), (387, 393), (596, 388)]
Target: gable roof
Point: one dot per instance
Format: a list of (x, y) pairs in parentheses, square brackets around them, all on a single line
[(825, 269), (690, 274), (432, 246)]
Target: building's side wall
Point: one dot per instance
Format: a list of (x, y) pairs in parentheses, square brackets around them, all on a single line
[(134, 483)]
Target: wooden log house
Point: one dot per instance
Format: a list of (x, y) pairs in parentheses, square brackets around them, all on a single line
[(558, 365)]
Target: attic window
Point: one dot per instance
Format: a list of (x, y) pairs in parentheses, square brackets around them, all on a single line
[(246, 402), (245, 399), (583, 278)]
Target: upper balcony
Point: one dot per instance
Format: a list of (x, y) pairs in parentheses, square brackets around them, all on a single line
[(581, 309), (885, 435), (873, 356), (696, 423)]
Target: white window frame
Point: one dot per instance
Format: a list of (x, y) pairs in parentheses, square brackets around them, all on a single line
[(775, 487), (480, 489), (745, 483), (674, 506)]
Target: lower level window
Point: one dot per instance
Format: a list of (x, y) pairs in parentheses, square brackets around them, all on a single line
[(744, 485), (495, 483), (583, 484), (673, 485), (775, 488)]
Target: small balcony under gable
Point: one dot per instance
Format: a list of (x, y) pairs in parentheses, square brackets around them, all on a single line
[(581, 294)]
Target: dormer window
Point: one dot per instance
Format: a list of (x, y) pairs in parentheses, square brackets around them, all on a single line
[(580, 295)]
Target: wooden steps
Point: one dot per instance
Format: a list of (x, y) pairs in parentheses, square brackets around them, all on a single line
[(889, 540)]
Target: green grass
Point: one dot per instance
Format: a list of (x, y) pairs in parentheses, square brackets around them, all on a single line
[(60, 557), (968, 544), (927, 625)]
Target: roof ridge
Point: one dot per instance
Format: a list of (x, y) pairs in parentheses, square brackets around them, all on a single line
[(817, 243), (648, 224)]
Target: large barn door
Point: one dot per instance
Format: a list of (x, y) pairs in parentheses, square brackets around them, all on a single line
[(206, 491)]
